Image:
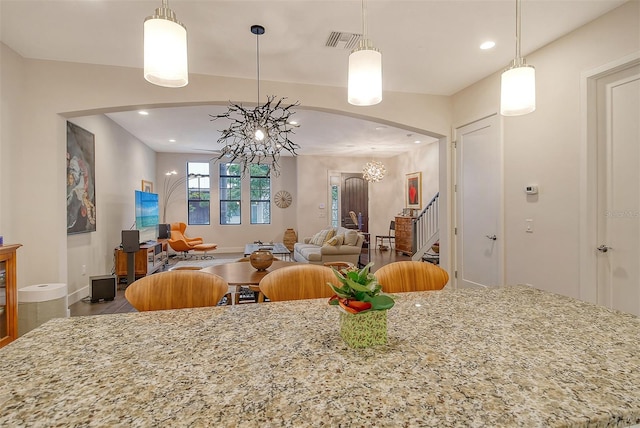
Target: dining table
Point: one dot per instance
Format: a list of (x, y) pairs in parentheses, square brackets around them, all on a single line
[(513, 356), (242, 273)]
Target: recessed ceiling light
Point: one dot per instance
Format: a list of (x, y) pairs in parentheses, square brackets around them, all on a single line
[(380, 128), (417, 142), (293, 122), (143, 113), (487, 45), (172, 140)]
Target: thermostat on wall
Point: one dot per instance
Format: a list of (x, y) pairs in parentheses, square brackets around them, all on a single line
[(531, 190)]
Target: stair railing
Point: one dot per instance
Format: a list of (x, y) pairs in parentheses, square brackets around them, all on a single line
[(426, 228)]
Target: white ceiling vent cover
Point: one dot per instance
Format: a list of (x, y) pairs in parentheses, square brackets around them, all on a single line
[(342, 40)]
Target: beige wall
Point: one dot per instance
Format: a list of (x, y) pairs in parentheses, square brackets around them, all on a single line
[(386, 197), (11, 88), (122, 162), (230, 238), (543, 148)]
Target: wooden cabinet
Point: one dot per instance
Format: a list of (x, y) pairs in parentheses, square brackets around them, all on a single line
[(404, 235), (8, 294), (149, 259)]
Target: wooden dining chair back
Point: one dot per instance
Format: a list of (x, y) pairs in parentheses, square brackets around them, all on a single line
[(176, 289), (301, 281), (403, 276)]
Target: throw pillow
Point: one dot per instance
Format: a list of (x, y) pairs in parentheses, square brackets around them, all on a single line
[(321, 237), (351, 237), (336, 240)]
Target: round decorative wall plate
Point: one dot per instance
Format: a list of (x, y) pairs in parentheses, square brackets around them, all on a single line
[(282, 199)]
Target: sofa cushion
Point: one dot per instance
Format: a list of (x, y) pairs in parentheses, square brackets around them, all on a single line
[(323, 236), (309, 252), (336, 240), (351, 237)]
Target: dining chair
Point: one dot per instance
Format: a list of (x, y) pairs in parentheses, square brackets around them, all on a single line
[(176, 289), (390, 236), (302, 281), (398, 277)]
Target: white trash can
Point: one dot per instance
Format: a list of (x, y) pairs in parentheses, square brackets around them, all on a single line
[(39, 303)]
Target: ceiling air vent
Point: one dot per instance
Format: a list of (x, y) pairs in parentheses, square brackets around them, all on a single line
[(342, 40)]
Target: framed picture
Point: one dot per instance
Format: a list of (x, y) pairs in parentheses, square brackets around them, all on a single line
[(147, 186), (413, 190), (81, 189)]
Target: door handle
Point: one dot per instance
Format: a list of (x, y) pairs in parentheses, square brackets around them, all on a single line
[(603, 248), (492, 237)]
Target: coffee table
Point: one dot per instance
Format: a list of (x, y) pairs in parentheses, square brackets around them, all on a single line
[(242, 273), (277, 249)]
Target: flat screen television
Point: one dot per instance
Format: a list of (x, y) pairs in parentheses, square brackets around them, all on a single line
[(147, 215)]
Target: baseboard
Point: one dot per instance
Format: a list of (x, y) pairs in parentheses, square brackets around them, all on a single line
[(78, 295)]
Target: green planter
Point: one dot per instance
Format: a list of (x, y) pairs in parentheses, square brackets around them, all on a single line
[(364, 329)]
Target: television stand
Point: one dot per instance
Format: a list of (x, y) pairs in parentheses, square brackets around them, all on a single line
[(149, 259)]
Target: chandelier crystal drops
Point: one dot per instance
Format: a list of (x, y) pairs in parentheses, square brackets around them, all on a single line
[(258, 135), (373, 171)]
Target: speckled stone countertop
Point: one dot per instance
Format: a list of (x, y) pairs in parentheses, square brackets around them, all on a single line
[(512, 356)]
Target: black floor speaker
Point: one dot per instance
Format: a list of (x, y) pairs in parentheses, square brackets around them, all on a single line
[(130, 241), (103, 288), (164, 231)]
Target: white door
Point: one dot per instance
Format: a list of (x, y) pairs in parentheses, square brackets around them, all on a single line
[(479, 240), (618, 214)]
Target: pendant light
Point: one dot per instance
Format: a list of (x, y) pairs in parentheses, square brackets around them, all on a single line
[(165, 49), (518, 87), (365, 71), (258, 135)]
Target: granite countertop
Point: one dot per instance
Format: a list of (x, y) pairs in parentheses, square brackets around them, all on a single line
[(512, 356)]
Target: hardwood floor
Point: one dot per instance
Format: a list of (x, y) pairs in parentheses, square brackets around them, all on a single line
[(121, 305)]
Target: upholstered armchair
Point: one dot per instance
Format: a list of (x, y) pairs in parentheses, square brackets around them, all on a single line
[(183, 244)]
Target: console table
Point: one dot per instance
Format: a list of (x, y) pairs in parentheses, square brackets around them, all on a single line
[(148, 259), (277, 249)]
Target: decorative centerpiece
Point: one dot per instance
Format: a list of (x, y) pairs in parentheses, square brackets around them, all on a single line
[(363, 315), (261, 259)]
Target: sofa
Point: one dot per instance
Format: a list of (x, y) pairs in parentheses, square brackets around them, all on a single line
[(329, 245)]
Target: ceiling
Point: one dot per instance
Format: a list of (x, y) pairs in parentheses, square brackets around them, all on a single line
[(428, 46)]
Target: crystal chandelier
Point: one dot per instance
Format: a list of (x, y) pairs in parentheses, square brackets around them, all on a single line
[(373, 171), (258, 135)]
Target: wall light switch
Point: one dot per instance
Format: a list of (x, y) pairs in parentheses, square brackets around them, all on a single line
[(529, 225)]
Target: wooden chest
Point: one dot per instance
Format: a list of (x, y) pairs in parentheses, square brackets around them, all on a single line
[(404, 235)]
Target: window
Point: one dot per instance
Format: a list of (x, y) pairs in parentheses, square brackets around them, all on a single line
[(199, 193), (230, 191), (334, 206), (260, 188)]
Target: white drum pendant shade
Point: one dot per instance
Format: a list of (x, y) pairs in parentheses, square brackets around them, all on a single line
[(165, 53), (518, 91), (365, 77)]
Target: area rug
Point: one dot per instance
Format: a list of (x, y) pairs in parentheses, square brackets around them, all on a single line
[(201, 263)]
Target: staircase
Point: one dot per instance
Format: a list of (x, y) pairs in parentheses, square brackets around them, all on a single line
[(426, 230)]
